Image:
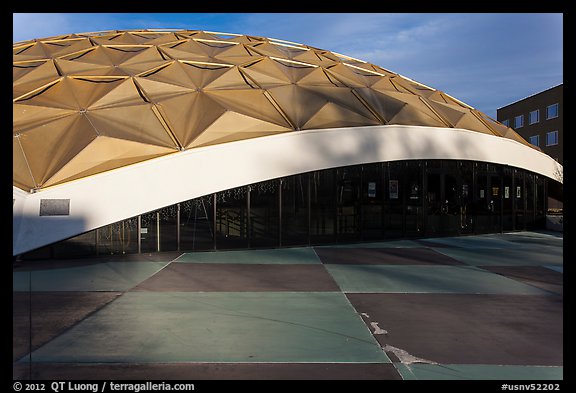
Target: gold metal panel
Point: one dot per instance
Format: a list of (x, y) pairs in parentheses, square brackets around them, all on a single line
[(104, 154), (22, 177), (137, 123), (245, 127), (50, 146), (189, 114)]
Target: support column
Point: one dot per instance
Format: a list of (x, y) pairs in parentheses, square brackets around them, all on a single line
[(178, 227), (249, 219), (280, 213), (158, 231), (138, 230), (214, 220)]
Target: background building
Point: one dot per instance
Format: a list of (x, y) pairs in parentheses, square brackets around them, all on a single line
[(539, 120)]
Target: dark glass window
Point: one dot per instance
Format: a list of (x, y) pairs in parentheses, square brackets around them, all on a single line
[(552, 111), (149, 232), (348, 195), (552, 138), (197, 224), (232, 218), (372, 197), (168, 228), (534, 117), (507, 199), (394, 199), (519, 199), (84, 244), (323, 206), (295, 210), (413, 194), (264, 214), (530, 200)]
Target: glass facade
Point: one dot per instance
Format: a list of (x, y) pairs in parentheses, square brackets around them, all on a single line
[(376, 201)]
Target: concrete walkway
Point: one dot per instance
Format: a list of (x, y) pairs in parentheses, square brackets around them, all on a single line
[(475, 307)]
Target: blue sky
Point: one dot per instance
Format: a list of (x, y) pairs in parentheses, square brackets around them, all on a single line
[(485, 60)]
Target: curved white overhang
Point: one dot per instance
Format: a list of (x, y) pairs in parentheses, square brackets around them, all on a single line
[(126, 192)]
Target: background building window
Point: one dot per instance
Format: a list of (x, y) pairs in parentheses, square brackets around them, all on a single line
[(519, 121), (534, 117), (535, 140), (551, 138), (551, 111), (506, 122)]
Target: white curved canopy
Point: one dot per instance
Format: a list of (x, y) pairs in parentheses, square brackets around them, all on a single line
[(126, 192)]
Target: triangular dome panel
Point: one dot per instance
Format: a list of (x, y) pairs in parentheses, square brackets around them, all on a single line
[(52, 145), (334, 116), (137, 123), (244, 127), (104, 153)]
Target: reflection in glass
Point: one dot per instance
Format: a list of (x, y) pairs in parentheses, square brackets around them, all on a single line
[(264, 214), (372, 196), (232, 218), (149, 232), (348, 203), (197, 224), (394, 211), (168, 217), (118, 238), (323, 207), (413, 195), (295, 210), (519, 200)]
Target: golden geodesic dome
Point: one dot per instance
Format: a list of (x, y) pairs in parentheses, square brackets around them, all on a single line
[(92, 102)]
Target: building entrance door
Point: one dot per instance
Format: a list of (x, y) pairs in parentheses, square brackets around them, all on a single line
[(447, 210)]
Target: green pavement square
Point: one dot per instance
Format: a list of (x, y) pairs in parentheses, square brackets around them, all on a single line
[(304, 255), (167, 327), (425, 279), (477, 372), (109, 276), (501, 257)]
